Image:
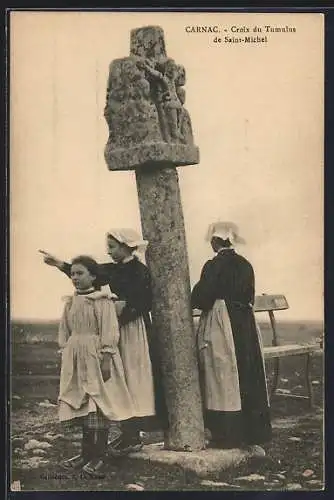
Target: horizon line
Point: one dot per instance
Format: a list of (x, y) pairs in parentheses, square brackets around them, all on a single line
[(57, 320)]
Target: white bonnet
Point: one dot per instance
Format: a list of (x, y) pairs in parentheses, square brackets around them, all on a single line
[(129, 237), (225, 230)]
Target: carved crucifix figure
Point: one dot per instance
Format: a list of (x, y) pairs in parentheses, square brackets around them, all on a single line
[(167, 100)]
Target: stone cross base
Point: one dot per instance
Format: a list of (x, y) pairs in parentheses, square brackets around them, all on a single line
[(204, 463), (161, 153)]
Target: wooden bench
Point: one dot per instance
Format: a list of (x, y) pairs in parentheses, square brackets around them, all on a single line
[(269, 304)]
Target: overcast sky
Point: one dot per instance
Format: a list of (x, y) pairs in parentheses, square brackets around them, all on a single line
[(257, 115)]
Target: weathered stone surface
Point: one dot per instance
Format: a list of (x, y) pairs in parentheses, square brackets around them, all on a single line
[(150, 132), (294, 486), (163, 226), (148, 41), (131, 115), (145, 107), (159, 153), (251, 478), (134, 487), (204, 463), (34, 443)]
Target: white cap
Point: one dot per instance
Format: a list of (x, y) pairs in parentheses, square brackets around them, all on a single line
[(129, 237), (224, 230)]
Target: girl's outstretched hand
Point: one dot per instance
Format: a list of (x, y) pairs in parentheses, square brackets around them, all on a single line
[(50, 259)]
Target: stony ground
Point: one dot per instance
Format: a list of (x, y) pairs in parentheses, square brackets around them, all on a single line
[(294, 458)]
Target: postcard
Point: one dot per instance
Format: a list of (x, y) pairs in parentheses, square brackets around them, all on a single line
[(166, 251)]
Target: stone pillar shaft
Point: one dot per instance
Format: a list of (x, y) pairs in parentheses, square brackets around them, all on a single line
[(163, 225)]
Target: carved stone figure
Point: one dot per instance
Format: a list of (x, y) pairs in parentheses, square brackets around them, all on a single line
[(184, 122), (165, 95), (129, 109), (144, 106)]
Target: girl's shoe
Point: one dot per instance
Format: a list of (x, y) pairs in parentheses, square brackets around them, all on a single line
[(124, 447), (94, 469), (256, 451), (115, 442), (73, 463)]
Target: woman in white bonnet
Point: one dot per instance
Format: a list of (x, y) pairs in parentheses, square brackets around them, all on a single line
[(232, 369), (129, 279)]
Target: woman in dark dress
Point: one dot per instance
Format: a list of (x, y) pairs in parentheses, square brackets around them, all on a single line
[(235, 397), (129, 279)]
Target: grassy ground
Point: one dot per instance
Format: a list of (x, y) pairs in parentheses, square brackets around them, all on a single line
[(294, 457)]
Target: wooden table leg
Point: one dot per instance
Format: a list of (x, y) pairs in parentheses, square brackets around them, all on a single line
[(275, 378)]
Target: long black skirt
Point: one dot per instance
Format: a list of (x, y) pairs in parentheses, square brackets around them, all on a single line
[(252, 424)]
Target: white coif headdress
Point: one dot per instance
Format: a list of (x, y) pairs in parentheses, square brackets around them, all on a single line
[(225, 230), (129, 237)]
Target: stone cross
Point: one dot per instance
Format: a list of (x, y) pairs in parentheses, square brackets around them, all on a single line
[(150, 133)]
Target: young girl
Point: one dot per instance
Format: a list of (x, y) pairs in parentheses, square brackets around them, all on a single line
[(93, 390), (130, 280)]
